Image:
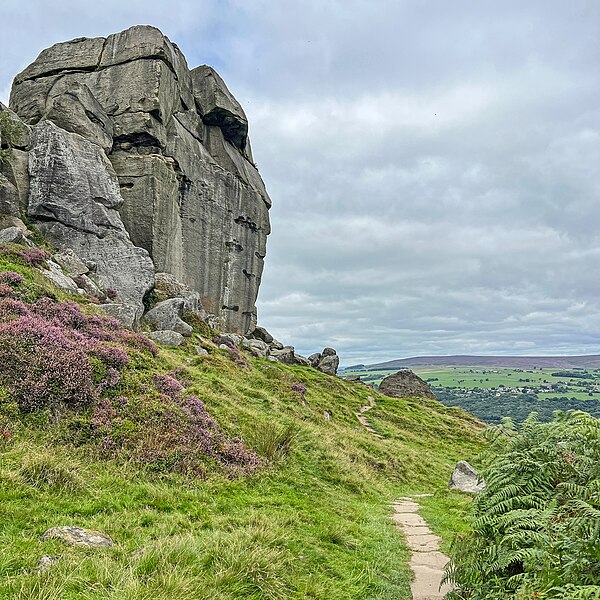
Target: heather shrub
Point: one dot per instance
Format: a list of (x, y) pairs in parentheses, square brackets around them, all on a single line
[(54, 355), (167, 432)]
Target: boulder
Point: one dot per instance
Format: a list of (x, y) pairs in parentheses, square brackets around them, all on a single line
[(166, 315), (127, 314), (200, 351), (326, 361), (258, 348), (466, 479), (12, 235), (60, 280), (74, 200), (405, 384), (77, 536), (260, 333), (9, 197), (301, 360), (70, 262), (167, 338), (286, 355)]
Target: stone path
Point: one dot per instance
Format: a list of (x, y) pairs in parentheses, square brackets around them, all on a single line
[(360, 415), (427, 562)]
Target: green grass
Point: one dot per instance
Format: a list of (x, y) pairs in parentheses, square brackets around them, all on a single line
[(314, 524)]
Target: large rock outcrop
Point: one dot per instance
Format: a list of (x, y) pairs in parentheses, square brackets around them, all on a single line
[(158, 161), (405, 384)]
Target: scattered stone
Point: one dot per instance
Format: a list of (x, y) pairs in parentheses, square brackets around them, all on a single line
[(229, 339), (285, 355), (76, 536), (327, 415), (46, 562), (167, 338), (200, 351), (405, 384), (301, 360), (466, 479), (166, 315)]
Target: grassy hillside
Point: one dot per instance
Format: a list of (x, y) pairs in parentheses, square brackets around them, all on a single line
[(195, 517)]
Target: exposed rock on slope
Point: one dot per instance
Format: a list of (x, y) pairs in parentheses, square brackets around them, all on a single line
[(180, 185), (405, 384)]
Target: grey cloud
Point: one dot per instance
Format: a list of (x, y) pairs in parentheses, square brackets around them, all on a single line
[(433, 165)]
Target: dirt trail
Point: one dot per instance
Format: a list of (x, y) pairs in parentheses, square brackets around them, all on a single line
[(360, 415), (427, 562)]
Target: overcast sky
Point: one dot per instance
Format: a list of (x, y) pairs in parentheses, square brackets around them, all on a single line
[(434, 165)]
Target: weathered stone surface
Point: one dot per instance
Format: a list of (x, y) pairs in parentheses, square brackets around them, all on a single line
[(123, 312), (74, 196), (77, 536), (70, 262), (7, 221), (218, 106), (167, 337), (192, 195), (46, 562), (166, 315), (72, 107), (260, 333), (301, 360), (466, 479), (286, 355), (200, 351), (21, 132), (258, 348), (12, 235), (9, 198), (56, 275), (405, 384), (327, 361), (16, 171)]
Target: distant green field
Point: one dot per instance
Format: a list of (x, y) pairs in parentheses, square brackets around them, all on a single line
[(492, 393)]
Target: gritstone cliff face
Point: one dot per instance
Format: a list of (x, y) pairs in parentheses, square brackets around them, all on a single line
[(141, 166)]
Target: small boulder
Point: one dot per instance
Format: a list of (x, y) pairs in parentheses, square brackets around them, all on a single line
[(327, 361), (60, 280), (405, 384), (466, 479), (166, 315), (285, 355), (301, 360), (76, 536), (46, 562), (256, 347), (70, 262), (122, 311), (200, 351), (12, 235), (229, 339), (260, 333), (167, 337)]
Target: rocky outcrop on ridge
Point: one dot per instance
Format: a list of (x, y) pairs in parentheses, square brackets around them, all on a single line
[(327, 361), (405, 384), (140, 165)]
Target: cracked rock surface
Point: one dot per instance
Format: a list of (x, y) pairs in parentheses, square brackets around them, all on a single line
[(136, 159)]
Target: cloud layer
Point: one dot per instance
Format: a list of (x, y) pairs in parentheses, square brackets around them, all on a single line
[(433, 165)]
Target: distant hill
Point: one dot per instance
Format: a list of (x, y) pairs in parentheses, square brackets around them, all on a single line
[(516, 362)]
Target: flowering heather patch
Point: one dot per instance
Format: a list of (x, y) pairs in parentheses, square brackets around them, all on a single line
[(299, 388), (234, 352), (167, 385), (168, 433), (11, 278), (49, 353), (33, 256)]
